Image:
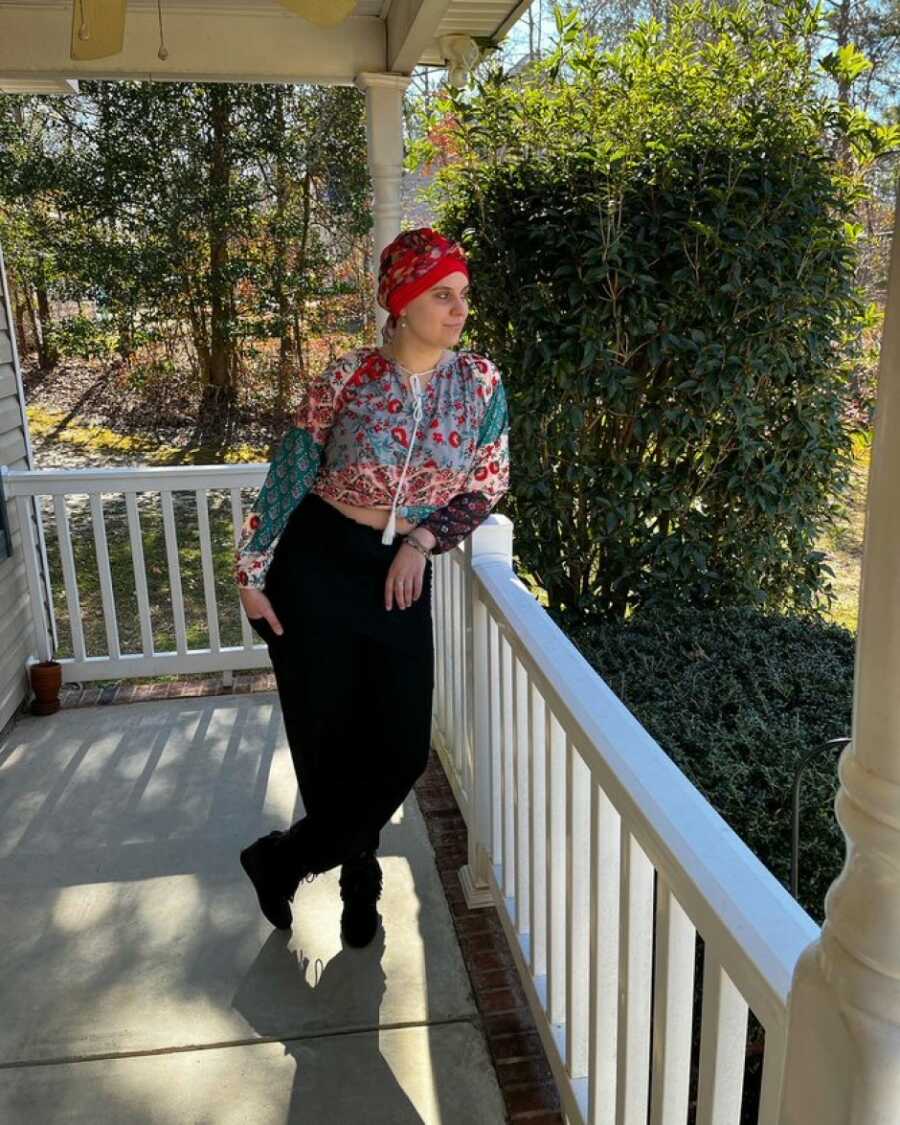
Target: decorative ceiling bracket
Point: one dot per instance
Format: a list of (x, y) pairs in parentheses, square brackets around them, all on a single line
[(462, 54)]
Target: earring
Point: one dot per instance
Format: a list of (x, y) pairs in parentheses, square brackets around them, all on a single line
[(402, 321)]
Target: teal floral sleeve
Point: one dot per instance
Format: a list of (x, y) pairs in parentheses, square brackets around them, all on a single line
[(291, 474)]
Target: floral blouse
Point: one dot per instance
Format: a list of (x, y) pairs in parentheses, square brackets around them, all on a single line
[(350, 439)]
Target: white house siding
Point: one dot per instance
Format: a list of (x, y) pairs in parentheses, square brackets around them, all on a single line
[(15, 619)]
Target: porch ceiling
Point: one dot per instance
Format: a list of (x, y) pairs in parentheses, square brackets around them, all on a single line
[(242, 41)]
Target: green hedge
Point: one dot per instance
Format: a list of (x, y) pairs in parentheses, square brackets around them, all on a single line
[(735, 698)]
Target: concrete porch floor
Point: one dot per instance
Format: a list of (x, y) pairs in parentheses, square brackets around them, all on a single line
[(140, 983)]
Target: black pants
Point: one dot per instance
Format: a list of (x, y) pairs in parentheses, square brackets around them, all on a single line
[(355, 681)]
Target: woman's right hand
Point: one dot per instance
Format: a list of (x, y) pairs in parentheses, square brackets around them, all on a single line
[(257, 605)]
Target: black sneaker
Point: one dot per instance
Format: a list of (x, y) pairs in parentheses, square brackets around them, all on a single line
[(274, 887), (360, 882)]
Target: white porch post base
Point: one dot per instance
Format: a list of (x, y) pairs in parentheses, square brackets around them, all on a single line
[(490, 544), (477, 894), (384, 125), (842, 1065)]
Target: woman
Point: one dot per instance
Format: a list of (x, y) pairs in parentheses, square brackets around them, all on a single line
[(397, 454)]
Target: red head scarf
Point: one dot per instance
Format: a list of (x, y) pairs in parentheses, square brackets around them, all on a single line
[(412, 263)]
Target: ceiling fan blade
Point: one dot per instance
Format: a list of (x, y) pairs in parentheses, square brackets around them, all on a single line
[(323, 13), (98, 28)]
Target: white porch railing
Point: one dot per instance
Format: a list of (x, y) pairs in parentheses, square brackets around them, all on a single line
[(54, 490), (605, 863)]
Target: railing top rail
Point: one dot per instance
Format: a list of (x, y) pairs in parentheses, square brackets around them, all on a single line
[(755, 927), (43, 482)]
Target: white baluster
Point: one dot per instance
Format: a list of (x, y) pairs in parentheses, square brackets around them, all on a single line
[(723, 1037), (537, 857), (578, 831), (635, 967), (673, 998), (556, 870), (209, 578), (604, 958)]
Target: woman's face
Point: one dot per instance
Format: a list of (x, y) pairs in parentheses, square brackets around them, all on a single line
[(437, 316)]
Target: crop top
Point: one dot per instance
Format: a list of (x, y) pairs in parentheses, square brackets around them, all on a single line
[(350, 442)]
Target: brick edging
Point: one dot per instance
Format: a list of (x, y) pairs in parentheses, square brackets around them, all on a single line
[(74, 695), (523, 1073)]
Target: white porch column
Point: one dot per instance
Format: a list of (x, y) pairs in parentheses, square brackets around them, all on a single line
[(843, 1054), (384, 109)]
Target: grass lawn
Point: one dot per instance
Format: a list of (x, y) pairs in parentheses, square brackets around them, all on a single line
[(845, 545), (60, 442)]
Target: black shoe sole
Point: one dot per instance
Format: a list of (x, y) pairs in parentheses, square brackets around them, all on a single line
[(276, 908)]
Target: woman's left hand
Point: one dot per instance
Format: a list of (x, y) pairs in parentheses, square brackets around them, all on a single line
[(404, 579)]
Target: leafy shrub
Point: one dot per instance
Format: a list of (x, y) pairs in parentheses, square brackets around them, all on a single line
[(736, 697), (663, 260), (83, 337)]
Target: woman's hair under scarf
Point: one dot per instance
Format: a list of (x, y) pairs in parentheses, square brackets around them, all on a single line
[(412, 263)]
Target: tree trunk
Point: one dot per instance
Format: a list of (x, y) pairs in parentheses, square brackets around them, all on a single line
[(301, 265), (20, 311), (201, 343), (298, 338), (32, 317), (48, 355), (125, 329), (281, 250), (219, 391), (843, 34), (369, 322)]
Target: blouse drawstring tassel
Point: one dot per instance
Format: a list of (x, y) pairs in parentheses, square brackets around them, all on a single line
[(387, 536)]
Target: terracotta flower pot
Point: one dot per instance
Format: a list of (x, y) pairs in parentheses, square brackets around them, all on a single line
[(46, 679)]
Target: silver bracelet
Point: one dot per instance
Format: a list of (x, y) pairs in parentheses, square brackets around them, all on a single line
[(413, 542)]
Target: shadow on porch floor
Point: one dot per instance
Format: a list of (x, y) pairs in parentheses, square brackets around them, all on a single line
[(141, 982)]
